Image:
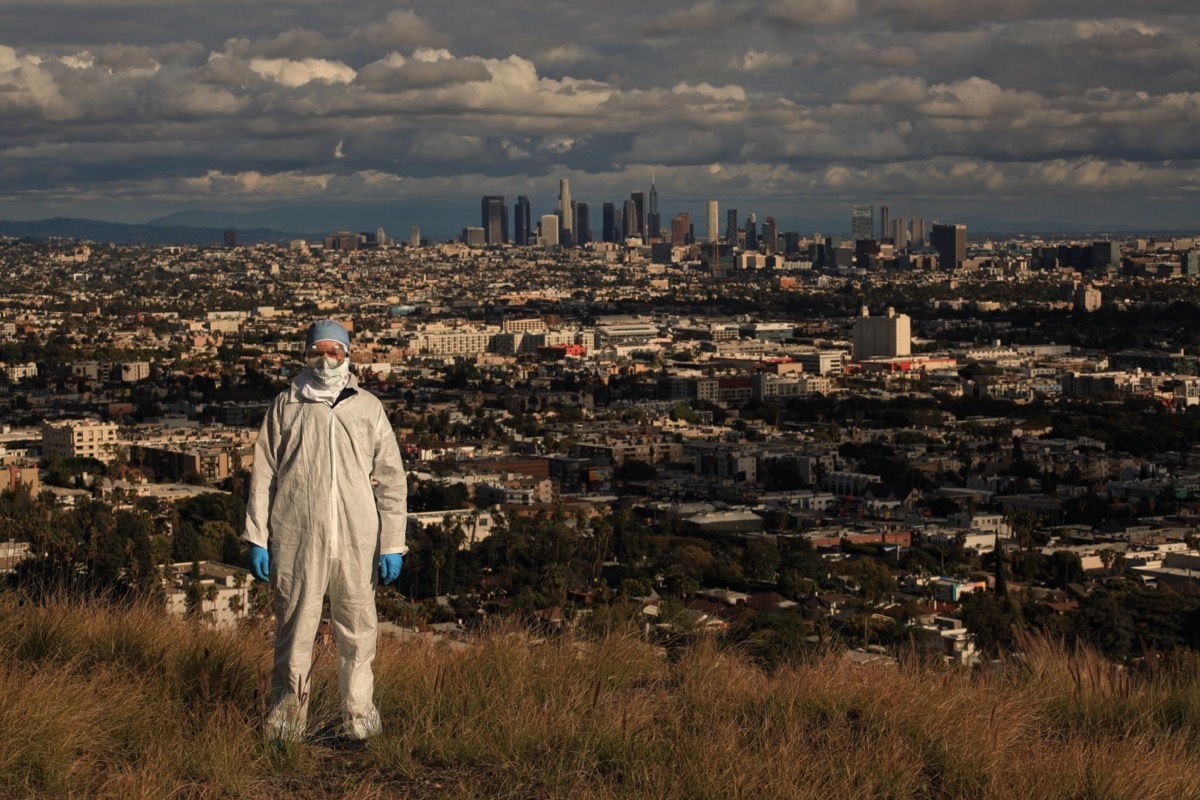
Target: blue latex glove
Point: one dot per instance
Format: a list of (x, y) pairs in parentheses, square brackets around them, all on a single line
[(260, 562), (389, 567)]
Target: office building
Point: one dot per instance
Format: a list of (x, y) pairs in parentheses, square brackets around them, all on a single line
[(342, 240), (889, 336), (950, 241), (565, 220), (549, 230), (81, 438), (1087, 298), (583, 231), (639, 204), (884, 223), (770, 236), (522, 220), (1105, 254), (629, 219), (474, 237), (1189, 263), (751, 231), (609, 223), (731, 226), (680, 229), (653, 220), (712, 220), (916, 237), (414, 236), (494, 219), (899, 234), (231, 238), (862, 222)]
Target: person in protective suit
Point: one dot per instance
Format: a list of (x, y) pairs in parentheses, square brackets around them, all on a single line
[(327, 507)]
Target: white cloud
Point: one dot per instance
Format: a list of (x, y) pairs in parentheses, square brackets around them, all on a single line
[(812, 13), (893, 89), (673, 147), (755, 59), (719, 93), (255, 183), (977, 97), (298, 73)]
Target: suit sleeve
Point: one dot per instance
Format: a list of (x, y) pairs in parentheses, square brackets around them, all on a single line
[(262, 479), (391, 490)]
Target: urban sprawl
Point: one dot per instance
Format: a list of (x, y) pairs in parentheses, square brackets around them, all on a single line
[(903, 436)]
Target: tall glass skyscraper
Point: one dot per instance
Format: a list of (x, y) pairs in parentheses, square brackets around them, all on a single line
[(639, 204), (609, 221), (494, 219), (566, 220), (653, 220), (862, 222), (522, 220), (583, 230)]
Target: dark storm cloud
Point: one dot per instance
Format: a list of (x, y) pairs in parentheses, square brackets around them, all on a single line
[(178, 103)]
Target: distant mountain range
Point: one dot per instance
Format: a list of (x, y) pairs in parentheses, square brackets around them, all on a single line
[(152, 233)]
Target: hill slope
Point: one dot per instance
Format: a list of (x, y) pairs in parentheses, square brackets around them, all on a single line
[(120, 233), (98, 701)]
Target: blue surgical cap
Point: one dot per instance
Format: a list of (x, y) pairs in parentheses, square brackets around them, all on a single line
[(327, 330)]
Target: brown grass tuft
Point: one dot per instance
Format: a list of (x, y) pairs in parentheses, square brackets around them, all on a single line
[(104, 701)]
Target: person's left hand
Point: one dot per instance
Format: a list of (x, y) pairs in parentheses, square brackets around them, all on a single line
[(389, 567)]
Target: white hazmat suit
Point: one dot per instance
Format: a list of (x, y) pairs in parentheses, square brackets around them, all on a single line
[(328, 496)]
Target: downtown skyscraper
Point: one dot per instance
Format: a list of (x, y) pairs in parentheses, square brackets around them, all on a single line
[(653, 220), (522, 221), (609, 231), (639, 204), (566, 216), (862, 223), (494, 219)]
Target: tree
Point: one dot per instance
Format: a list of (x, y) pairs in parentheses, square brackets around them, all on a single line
[(990, 621), (1104, 624), (760, 560)]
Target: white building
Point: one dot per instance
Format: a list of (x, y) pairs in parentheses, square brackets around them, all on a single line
[(889, 336), (80, 438), (549, 229), (224, 592), (19, 372)]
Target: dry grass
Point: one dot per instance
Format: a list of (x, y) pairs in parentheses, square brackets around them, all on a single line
[(100, 702)]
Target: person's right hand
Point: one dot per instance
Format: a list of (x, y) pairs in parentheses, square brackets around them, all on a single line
[(260, 562)]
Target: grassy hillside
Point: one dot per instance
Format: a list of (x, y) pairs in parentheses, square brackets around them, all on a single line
[(98, 702)]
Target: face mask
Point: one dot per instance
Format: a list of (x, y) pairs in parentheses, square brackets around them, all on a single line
[(327, 371)]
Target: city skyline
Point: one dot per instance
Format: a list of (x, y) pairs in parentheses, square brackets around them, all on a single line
[(300, 116)]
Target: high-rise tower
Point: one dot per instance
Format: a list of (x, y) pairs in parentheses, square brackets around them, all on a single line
[(522, 220), (609, 222), (951, 243), (566, 220), (770, 236), (639, 204), (751, 231), (680, 229), (583, 225), (653, 220), (712, 220), (630, 219), (862, 223), (731, 226), (494, 219)]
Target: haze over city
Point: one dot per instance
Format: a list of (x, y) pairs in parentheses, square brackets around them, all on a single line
[(311, 116)]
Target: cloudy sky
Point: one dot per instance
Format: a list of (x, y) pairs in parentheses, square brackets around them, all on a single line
[(308, 114)]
